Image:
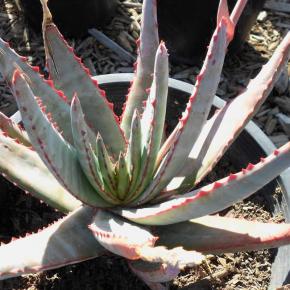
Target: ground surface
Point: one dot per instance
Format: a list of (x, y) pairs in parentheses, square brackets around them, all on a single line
[(20, 213)]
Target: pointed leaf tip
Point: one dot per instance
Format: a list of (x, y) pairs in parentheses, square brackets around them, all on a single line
[(149, 41), (223, 16), (162, 48), (223, 11)]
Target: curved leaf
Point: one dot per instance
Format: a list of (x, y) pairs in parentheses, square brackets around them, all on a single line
[(55, 152), (213, 197), (153, 118), (119, 236), (53, 100), (13, 130), (135, 242), (195, 115), (226, 125), (70, 75), (26, 169), (216, 235), (68, 241), (84, 144)]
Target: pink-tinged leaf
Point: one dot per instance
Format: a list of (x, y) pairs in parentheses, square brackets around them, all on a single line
[(25, 169), (216, 235), (237, 11), (85, 143), (59, 156), (153, 272), (68, 241), (217, 52), (134, 242), (228, 123), (223, 15), (69, 74), (147, 47), (213, 197), (195, 115), (225, 126), (176, 257), (153, 118), (13, 130), (120, 236), (53, 100)]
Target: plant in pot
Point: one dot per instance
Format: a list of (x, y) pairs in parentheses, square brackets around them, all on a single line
[(74, 17), (123, 189)]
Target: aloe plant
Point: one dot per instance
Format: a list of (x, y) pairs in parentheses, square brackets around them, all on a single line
[(123, 189)]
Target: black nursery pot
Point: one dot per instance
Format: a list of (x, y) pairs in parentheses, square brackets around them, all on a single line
[(73, 17), (186, 26)]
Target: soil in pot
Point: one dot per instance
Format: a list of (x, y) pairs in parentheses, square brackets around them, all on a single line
[(20, 213)]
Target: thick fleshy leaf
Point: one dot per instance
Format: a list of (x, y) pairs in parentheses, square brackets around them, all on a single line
[(26, 169), (134, 152), (147, 47), (216, 196), (223, 15), (84, 144), (216, 235), (226, 125), (135, 242), (59, 156), (123, 177), (106, 165), (153, 118), (53, 100), (202, 96), (153, 272), (196, 113), (231, 21), (68, 241), (13, 130), (176, 257), (70, 75), (120, 236), (237, 11)]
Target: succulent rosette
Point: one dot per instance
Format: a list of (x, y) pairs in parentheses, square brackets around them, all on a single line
[(124, 189)]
